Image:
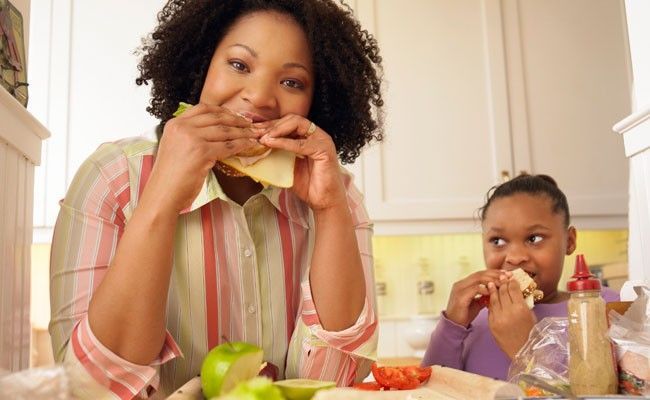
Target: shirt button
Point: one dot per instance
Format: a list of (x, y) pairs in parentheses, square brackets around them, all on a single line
[(248, 253), (251, 309)]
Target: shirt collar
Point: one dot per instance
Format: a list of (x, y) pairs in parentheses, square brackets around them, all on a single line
[(287, 203)]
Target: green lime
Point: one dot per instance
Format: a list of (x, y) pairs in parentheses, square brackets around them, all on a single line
[(302, 389), (257, 388)]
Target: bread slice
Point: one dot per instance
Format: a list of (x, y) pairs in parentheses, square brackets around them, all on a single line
[(528, 287)]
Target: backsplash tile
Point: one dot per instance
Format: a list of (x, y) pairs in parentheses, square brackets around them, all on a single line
[(399, 259)]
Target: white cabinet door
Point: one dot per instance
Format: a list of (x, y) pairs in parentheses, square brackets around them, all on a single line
[(447, 134), (480, 90), (569, 80)]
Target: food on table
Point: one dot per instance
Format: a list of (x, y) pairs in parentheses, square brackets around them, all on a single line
[(258, 388), (302, 389), (228, 364), (400, 378)]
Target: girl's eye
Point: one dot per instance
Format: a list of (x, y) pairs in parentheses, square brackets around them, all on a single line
[(535, 239), (238, 65), (497, 241), (293, 84)]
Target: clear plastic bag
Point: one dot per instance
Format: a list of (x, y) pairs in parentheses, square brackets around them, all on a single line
[(631, 336), (545, 356), (52, 383)]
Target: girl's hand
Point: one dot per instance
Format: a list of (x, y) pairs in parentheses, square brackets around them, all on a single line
[(191, 144), (317, 178), (462, 307), (509, 317)]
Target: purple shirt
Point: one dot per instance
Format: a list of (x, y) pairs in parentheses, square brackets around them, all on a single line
[(474, 349)]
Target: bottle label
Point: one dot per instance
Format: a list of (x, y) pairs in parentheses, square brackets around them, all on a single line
[(425, 287)]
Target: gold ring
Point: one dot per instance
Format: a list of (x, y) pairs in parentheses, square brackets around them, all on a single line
[(311, 129)]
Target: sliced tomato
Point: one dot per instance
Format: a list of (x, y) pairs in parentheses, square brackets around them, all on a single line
[(421, 373), (373, 386), (394, 378)]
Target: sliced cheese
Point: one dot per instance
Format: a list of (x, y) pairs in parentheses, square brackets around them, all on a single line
[(276, 169)]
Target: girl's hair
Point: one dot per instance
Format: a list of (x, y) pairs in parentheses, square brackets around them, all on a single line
[(347, 64), (537, 185)]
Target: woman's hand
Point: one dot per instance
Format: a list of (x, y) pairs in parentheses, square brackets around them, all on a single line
[(189, 148), (462, 307), (509, 317), (317, 178)]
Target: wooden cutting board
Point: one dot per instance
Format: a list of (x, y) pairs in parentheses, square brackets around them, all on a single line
[(445, 384)]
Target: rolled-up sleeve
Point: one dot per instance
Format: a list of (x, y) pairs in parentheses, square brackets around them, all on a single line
[(343, 356), (124, 379), (89, 225)]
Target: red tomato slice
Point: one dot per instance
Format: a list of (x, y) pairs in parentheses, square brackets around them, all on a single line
[(421, 373), (373, 386), (394, 378)]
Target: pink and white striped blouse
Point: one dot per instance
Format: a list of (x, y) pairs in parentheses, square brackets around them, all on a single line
[(238, 271)]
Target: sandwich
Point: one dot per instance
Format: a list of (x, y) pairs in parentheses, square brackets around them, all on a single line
[(528, 289), (265, 165)]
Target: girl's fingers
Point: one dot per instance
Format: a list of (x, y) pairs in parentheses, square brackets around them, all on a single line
[(504, 292), (495, 300), (482, 290), (480, 278), (514, 291)]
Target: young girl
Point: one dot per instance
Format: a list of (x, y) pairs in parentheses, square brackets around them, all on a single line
[(161, 253), (525, 224)]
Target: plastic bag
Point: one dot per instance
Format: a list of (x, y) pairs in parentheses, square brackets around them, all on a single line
[(545, 356), (52, 383), (631, 336)]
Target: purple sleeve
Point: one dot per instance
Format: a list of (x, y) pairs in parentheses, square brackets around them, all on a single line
[(609, 294), (446, 344)]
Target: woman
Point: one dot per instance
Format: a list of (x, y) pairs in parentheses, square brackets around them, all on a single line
[(160, 252)]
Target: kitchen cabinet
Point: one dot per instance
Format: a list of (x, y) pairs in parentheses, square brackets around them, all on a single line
[(480, 90), (475, 90), (635, 130)]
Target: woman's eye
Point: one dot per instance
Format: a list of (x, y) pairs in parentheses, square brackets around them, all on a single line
[(238, 65), (497, 241), (292, 83), (535, 238)]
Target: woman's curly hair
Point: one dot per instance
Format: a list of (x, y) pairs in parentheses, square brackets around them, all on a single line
[(347, 64)]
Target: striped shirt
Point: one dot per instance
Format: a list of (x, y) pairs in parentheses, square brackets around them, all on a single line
[(240, 272)]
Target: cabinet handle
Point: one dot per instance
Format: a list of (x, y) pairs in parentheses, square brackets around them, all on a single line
[(505, 176)]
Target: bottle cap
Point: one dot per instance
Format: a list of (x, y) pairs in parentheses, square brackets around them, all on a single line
[(582, 278)]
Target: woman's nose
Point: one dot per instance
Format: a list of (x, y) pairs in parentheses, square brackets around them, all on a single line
[(260, 93)]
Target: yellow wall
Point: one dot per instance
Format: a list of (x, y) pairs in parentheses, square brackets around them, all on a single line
[(451, 257), (40, 288)]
